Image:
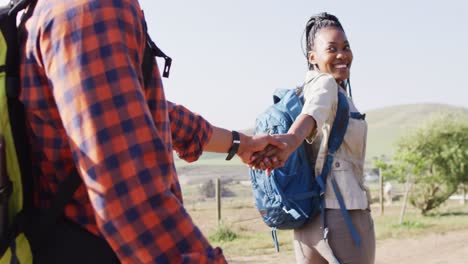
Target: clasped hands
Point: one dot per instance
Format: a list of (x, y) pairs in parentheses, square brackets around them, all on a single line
[(267, 152)]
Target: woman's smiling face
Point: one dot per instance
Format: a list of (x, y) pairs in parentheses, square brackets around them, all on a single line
[(331, 53)]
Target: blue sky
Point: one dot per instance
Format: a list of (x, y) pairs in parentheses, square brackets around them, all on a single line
[(238, 52), (229, 56)]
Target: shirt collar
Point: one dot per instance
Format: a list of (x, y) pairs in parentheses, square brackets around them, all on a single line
[(311, 74)]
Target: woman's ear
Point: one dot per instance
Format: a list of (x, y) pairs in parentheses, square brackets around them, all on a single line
[(311, 57)]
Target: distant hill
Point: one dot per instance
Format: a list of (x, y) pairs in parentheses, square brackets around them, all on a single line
[(386, 125)]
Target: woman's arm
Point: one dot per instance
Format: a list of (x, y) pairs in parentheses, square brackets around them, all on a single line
[(304, 126), (320, 96)]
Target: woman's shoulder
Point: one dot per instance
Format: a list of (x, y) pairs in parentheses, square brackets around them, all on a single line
[(320, 82)]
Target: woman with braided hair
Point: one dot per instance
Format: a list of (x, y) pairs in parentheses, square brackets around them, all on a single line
[(330, 239)]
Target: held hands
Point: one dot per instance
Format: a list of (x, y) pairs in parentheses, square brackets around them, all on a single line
[(268, 152), (279, 147), (256, 144)]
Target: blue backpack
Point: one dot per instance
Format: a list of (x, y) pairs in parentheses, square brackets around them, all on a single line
[(292, 195)]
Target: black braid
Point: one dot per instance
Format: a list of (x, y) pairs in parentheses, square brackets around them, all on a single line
[(316, 23)]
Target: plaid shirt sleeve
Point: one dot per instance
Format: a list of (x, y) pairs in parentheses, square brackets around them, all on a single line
[(190, 132), (91, 53)]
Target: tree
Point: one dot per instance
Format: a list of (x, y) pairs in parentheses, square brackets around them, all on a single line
[(435, 157)]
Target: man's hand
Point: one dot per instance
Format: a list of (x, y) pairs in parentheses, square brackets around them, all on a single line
[(252, 144), (267, 152), (272, 157)]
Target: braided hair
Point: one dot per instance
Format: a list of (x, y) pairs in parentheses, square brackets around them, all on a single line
[(316, 23)]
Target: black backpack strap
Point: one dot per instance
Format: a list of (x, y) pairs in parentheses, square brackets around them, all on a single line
[(49, 218), (61, 240), (152, 50), (147, 65), (18, 5), (64, 195), (156, 51)]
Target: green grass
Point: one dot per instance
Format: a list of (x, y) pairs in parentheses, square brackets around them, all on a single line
[(223, 234), (450, 217), (256, 244)]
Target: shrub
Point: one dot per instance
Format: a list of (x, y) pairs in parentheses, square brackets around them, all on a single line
[(223, 233)]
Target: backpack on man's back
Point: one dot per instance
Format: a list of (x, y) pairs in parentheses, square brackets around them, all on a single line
[(23, 229)]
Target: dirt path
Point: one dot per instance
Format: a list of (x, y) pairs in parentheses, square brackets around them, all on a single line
[(450, 248)]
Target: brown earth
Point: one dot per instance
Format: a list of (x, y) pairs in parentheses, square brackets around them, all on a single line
[(451, 247)]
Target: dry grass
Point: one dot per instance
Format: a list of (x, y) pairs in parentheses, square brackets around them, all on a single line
[(253, 237)]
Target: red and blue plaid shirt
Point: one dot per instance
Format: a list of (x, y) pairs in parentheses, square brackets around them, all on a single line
[(87, 107)]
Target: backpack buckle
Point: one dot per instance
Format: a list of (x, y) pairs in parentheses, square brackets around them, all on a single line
[(325, 233), (292, 212), (167, 66), (5, 192)]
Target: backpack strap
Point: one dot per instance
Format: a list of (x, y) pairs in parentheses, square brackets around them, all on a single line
[(340, 124), (335, 140), (65, 192), (151, 51), (357, 115), (18, 5)]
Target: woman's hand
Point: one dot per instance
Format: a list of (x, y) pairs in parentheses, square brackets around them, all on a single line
[(255, 144), (272, 157)]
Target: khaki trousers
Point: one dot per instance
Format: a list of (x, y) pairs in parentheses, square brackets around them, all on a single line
[(310, 247)]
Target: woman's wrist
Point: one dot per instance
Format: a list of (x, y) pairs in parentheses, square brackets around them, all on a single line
[(295, 139), (302, 128)]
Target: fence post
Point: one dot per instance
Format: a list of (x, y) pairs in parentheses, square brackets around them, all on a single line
[(381, 180), (405, 199), (218, 199), (463, 189)]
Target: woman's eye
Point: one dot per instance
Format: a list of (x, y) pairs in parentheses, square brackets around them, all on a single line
[(347, 47), (331, 49)]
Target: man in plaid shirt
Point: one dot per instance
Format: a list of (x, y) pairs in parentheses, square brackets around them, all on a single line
[(88, 109)]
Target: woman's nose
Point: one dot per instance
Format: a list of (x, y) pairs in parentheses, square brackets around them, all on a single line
[(341, 55)]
